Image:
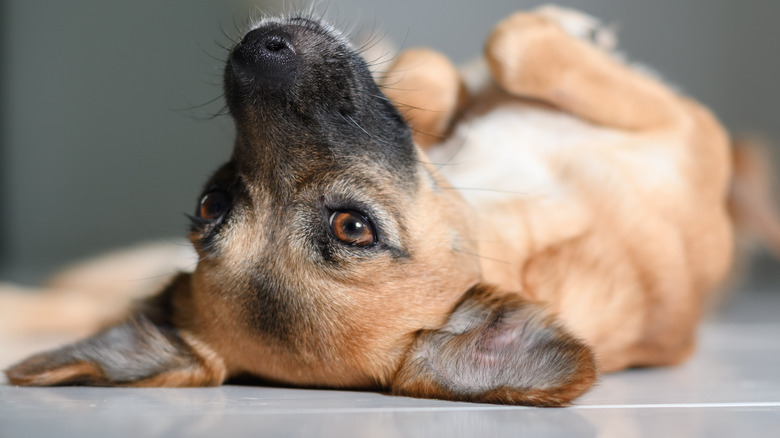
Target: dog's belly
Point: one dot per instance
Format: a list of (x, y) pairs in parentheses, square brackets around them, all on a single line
[(542, 176), (583, 217), (527, 151)]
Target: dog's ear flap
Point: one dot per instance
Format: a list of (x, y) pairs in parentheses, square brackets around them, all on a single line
[(146, 349), (497, 348)]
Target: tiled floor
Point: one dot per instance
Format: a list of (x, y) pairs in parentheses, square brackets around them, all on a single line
[(731, 388)]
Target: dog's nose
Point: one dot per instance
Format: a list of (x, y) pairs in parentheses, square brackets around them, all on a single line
[(265, 55)]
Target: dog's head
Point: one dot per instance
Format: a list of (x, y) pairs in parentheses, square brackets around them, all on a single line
[(331, 240), (331, 255)]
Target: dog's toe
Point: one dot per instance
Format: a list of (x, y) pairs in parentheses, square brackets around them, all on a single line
[(581, 25)]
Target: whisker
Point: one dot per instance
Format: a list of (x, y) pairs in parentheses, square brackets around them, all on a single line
[(193, 106), (461, 239), (483, 189), (174, 241), (349, 119), (219, 59), (482, 257), (401, 105), (372, 40)]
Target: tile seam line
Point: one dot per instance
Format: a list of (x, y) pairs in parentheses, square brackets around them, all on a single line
[(684, 405), (486, 409), (578, 407), (510, 408)]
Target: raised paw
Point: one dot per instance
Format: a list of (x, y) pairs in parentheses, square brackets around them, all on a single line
[(557, 56), (581, 26)]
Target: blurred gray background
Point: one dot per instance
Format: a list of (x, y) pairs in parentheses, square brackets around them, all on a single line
[(108, 125)]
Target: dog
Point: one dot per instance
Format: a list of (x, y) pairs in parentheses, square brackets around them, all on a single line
[(498, 234)]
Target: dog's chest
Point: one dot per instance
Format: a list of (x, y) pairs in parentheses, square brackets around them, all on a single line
[(536, 176), (523, 151)]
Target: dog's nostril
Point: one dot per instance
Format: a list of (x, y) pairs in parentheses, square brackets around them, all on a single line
[(266, 56), (265, 45), (277, 43), (272, 41)]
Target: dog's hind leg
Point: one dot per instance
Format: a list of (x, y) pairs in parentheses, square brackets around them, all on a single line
[(552, 56)]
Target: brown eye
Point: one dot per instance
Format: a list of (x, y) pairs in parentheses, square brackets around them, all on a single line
[(352, 228), (213, 205)]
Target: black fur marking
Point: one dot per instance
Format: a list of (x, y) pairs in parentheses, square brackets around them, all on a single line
[(274, 310), (326, 110)]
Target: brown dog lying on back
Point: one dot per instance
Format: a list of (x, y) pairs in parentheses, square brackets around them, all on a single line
[(572, 220)]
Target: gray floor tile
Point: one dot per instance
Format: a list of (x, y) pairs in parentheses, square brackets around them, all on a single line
[(729, 388)]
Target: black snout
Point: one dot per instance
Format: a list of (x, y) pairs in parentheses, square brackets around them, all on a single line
[(305, 105), (266, 56)]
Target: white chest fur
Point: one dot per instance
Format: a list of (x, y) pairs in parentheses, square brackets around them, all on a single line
[(554, 169)]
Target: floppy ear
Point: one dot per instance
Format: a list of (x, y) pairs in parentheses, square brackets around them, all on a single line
[(497, 348), (146, 349)]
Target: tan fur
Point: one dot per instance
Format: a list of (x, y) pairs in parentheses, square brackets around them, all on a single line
[(751, 201), (571, 199), (623, 256), (30, 312), (429, 91), (485, 319), (362, 344), (88, 295), (208, 371), (129, 273), (58, 375)]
